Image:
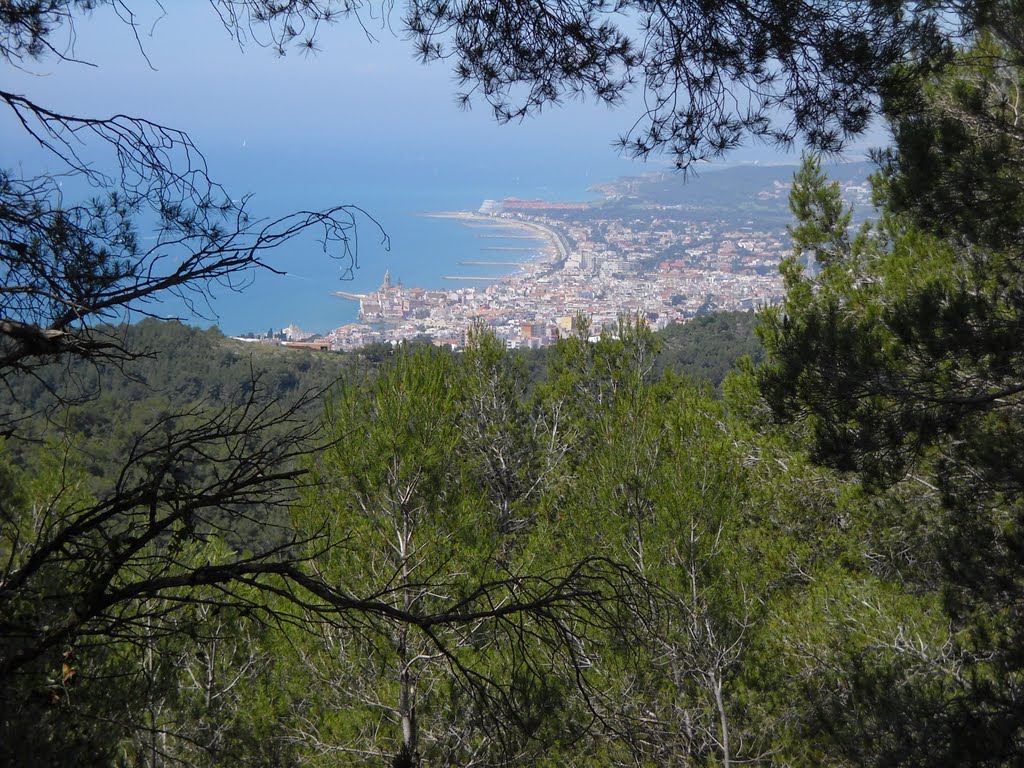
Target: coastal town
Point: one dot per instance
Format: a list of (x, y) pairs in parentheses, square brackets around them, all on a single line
[(661, 261)]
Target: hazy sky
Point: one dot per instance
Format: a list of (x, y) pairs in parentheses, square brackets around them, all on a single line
[(356, 98)]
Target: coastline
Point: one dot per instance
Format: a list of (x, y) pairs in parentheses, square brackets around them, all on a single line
[(399, 312), (555, 239)]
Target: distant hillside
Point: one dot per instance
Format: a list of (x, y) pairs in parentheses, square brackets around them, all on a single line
[(704, 349), (707, 347), (756, 189), (180, 368), (182, 364), (188, 366)]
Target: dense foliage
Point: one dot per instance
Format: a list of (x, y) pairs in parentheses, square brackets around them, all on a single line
[(902, 358), (444, 559), (438, 474)]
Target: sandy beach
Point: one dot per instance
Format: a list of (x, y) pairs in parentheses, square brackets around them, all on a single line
[(559, 246)]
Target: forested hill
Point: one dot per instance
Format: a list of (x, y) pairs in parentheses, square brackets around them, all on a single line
[(182, 365), (707, 347)]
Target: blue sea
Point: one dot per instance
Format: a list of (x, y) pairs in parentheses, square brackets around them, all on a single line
[(394, 191)]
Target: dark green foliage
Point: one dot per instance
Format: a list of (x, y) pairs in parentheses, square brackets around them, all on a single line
[(707, 347), (956, 163), (704, 349), (713, 73), (451, 483), (903, 360), (175, 368), (601, 566)]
